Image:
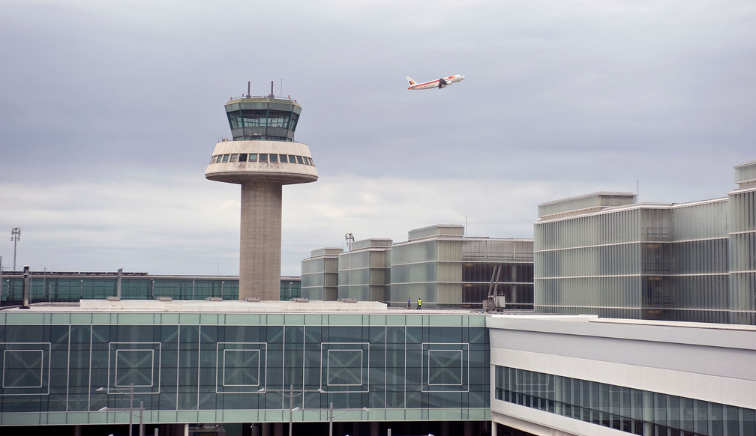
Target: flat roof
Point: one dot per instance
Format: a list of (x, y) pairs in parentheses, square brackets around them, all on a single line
[(229, 306)]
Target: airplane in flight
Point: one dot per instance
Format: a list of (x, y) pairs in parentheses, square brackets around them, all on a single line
[(440, 83)]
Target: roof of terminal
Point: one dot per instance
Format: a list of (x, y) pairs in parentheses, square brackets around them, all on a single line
[(229, 306)]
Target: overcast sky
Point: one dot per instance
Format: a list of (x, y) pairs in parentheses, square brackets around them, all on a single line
[(110, 110)]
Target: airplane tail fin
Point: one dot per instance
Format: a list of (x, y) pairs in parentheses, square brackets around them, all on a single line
[(411, 82)]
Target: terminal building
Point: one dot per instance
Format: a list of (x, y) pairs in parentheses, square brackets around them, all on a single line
[(437, 264), (605, 254), (61, 286), (248, 368)]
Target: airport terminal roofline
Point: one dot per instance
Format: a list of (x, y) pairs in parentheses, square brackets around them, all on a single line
[(592, 194), (230, 307), (125, 274)]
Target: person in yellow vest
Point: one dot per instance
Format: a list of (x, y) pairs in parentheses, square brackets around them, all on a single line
[(419, 303)]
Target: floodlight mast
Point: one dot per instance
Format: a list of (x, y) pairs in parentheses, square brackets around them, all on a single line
[(15, 237)]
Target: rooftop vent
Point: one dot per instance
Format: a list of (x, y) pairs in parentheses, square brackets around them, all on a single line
[(348, 300), (114, 298), (251, 299), (164, 298), (300, 300), (213, 299)]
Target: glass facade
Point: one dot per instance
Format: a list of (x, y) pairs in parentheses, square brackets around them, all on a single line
[(645, 261), (742, 250), (57, 287), (630, 410), (680, 262), (456, 272), (365, 273), (263, 118), (216, 367), (320, 275)]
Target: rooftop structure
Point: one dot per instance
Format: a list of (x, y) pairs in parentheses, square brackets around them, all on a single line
[(72, 286), (261, 157), (437, 264), (320, 274), (604, 254)]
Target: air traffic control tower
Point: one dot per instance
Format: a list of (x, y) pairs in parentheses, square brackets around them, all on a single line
[(262, 157)]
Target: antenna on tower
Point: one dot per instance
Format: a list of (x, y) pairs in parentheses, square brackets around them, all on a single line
[(248, 89), (349, 240)]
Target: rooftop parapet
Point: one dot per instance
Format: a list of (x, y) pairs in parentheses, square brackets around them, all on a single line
[(372, 243), (436, 230), (745, 174), (326, 251), (584, 203)]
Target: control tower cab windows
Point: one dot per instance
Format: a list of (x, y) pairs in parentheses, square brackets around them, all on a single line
[(263, 158)]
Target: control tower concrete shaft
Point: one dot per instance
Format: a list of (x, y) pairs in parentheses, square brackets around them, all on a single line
[(262, 157)]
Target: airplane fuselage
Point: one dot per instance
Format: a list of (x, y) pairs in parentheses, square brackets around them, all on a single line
[(439, 83)]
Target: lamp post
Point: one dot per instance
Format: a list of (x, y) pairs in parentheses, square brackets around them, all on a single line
[(343, 411), (291, 396), (15, 237), (130, 391)]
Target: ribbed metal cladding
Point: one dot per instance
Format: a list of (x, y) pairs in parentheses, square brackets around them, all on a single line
[(260, 243)]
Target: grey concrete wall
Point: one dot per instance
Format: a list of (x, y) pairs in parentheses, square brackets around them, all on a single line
[(260, 241)]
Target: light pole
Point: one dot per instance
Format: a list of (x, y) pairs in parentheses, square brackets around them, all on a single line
[(130, 391), (15, 237), (291, 396), (343, 411)]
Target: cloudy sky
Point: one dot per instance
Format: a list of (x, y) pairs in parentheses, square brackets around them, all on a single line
[(109, 112)]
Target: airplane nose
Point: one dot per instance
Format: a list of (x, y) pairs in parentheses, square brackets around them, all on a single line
[(461, 77)]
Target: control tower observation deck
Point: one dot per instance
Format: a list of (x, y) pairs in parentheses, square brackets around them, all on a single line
[(261, 158)]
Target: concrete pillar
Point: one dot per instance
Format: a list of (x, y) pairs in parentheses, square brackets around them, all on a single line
[(266, 428), (255, 430), (494, 428), (77, 430), (374, 428), (260, 242), (445, 428), (468, 428), (278, 429), (186, 429)]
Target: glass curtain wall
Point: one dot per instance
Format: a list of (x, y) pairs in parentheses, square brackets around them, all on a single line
[(320, 276), (429, 269), (365, 274), (742, 255), (216, 363), (626, 409), (515, 257), (54, 288), (456, 272), (591, 264)]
